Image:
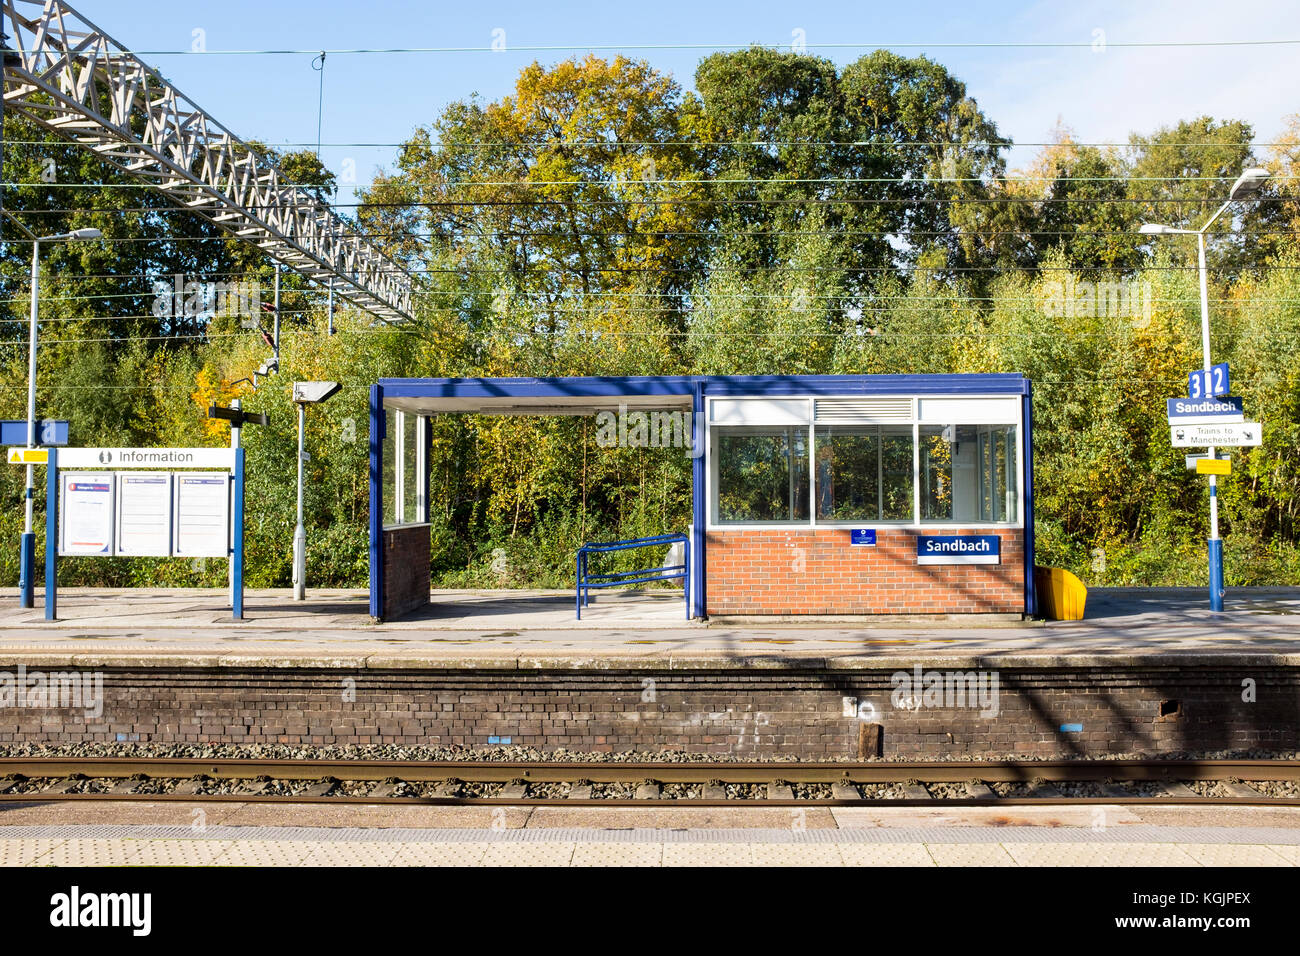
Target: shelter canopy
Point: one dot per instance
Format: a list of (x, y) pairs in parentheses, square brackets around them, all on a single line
[(537, 396)]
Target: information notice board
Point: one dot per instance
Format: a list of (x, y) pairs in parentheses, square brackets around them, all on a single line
[(86, 513), (201, 515), (144, 513)]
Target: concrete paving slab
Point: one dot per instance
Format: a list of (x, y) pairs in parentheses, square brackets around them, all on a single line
[(267, 853), (25, 852), (196, 852), (1220, 854), (88, 853), (969, 854), (799, 854), (885, 855), (440, 854), (1099, 854), (528, 854), (617, 854), (708, 854), (368, 853), (1289, 853)]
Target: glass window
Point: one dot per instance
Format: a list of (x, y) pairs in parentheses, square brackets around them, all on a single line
[(858, 473), (762, 474), (999, 489), (968, 473), (410, 469), (864, 473), (938, 443), (388, 486), (896, 473)]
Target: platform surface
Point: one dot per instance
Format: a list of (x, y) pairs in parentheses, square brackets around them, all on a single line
[(532, 629), (251, 835)]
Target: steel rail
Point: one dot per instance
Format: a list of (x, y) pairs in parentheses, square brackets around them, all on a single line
[(751, 772)]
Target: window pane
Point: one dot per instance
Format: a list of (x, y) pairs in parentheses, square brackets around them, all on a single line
[(1004, 473), (937, 443), (896, 473), (762, 474), (410, 471), (968, 473), (848, 473), (388, 486)]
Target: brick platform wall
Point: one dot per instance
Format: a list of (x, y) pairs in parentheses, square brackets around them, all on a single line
[(757, 712), (817, 571), (406, 569)]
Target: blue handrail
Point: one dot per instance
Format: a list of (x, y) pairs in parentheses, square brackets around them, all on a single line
[(588, 581)]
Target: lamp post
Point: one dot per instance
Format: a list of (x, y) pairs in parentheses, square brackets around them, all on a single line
[(27, 546), (304, 394), (1246, 187)]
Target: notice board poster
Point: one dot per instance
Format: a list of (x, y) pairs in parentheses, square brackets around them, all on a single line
[(201, 515), (144, 513), (86, 513)]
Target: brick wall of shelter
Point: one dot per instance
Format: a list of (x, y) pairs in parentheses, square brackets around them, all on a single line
[(817, 571), (406, 569)]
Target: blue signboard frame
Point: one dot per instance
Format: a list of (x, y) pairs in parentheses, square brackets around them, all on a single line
[(1223, 408), (48, 432), (52, 537), (958, 549), (862, 537), (1209, 382)]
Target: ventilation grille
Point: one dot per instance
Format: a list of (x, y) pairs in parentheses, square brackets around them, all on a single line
[(845, 410)]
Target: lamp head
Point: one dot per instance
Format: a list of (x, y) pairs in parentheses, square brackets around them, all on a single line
[(309, 393), (1248, 184)]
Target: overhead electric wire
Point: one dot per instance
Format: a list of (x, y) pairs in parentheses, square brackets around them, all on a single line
[(637, 181), (781, 46), (709, 144)]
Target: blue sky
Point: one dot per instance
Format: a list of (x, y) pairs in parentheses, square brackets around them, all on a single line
[(1103, 94)]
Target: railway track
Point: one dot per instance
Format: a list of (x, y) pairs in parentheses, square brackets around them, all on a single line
[(699, 784)]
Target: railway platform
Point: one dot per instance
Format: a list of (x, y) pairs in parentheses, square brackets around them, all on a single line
[(251, 835), (1149, 671)]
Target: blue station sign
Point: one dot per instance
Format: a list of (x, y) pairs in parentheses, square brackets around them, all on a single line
[(1225, 408), (862, 537), (48, 432), (1206, 383), (958, 549)]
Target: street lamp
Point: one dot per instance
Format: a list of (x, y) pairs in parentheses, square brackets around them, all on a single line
[(304, 394), (27, 547), (1246, 187)]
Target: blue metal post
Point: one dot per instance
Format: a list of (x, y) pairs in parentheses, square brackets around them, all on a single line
[(51, 535), (577, 571), (697, 571), (237, 548), (1027, 470), (686, 581), (1215, 549), (26, 566), (376, 529)]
